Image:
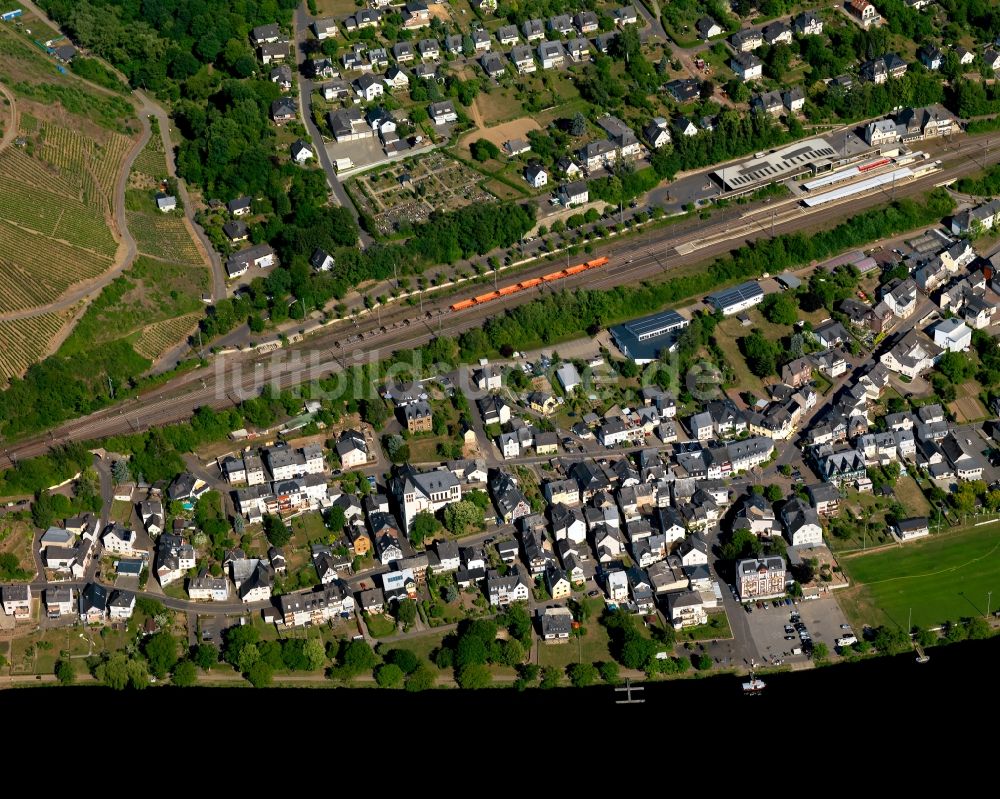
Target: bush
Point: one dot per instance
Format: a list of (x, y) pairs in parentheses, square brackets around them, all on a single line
[(582, 674)]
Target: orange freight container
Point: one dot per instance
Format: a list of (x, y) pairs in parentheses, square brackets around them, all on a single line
[(530, 284), (597, 262), (487, 297), (508, 290), (461, 306), (554, 275), (575, 270)]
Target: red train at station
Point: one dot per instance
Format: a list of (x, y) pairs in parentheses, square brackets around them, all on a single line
[(531, 283)]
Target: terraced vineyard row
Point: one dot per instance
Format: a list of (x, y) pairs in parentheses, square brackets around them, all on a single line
[(65, 148), (108, 160), (152, 161), (24, 341), (162, 236), (157, 338), (34, 271), (26, 170), (85, 224)]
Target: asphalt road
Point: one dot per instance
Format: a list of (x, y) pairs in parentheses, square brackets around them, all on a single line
[(306, 86), (230, 379)]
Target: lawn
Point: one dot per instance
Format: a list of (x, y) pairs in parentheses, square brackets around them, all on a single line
[(592, 648), (726, 336), (380, 625), (16, 537), (717, 628), (121, 512), (909, 495), (306, 529), (421, 644), (941, 578)]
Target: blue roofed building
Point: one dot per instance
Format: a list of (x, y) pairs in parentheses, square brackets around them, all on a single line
[(738, 298), (644, 339)]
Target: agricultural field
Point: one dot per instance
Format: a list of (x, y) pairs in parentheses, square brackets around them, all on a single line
[(154, 304), (157, 338), (57, 182), (407, 193), (24, 341), (941, 578)]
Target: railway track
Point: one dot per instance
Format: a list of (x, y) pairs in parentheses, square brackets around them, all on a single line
[(342, 345)]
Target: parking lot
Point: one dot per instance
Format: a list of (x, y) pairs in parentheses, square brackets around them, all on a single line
[(822, 619), (213, 626)]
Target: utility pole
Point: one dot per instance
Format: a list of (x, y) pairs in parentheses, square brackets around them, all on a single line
[(111, 387), (989, 602)]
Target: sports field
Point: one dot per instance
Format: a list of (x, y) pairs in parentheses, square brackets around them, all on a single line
[(941, 578)]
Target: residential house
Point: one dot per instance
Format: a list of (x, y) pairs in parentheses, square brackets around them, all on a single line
[(324, 27), (865, 13), (801, 521), (963, 454), (685, 127), (118, 540), (910, 529), (930, 57), (239, 207), (556, 624), (300, 151), (424, 491), (747, 40), (912, 355), (953, 335), (693, 551), (58, 601), (557, 582), (418, 416), (208, 588), (403, 52), (509, 500), (881, 132), (808, 23), (578, 49), (586, 22), (768, 103), (352, 449), (794, 99), (121, 605), (523, 59), (443, 113), (616, 586), (533, 29), (657, 133), (493, 65), (503, 591), (686, 609), (684, 90), (507, 35), (825, 498), (265, 33), (599, 155), (551, 54), (429, 49), (777, 33), (16, 599), (626, 15), (368, 88), (93, 603), (283, 110), (708, 28), (273, 52), (797, 373), (760, 579), (536, 175)]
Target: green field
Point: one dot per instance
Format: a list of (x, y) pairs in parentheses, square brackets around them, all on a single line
[(941, 578)]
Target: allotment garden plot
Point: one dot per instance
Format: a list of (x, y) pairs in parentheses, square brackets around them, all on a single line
[(407, 193)]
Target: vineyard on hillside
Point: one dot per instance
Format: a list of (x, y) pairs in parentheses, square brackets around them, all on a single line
[(157, 338), (24, 341)]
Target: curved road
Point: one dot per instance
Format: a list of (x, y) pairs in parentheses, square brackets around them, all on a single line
[(11, 130), (150, 108)]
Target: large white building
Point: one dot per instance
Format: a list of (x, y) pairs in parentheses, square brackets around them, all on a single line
[(738, 298), (425, 491)]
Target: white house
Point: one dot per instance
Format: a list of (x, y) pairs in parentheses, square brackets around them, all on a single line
[(118, 540), (121, 605), (953, 335), (212, 589), (575, 193), (536, 176), (443, 113), (16, 600), (801, 521), (747, 66)]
